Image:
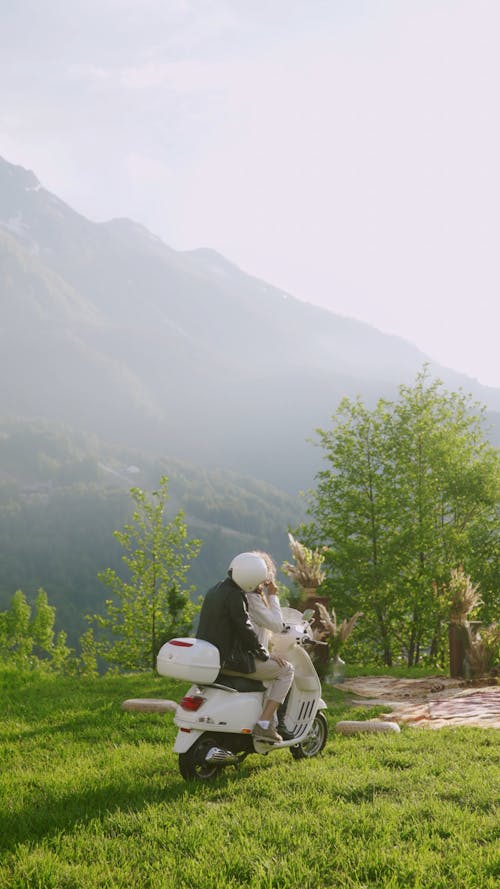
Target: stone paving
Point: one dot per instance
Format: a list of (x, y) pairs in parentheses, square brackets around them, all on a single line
[(433, 702)]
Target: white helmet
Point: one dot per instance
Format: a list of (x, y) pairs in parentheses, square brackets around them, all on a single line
[(248, 570)]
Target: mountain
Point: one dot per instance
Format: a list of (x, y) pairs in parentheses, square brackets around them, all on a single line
[(108, 329), (62, 495)]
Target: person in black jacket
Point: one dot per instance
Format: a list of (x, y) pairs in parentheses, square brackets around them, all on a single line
[(225, 623)]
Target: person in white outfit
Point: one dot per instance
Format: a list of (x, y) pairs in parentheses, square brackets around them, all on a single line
[(264, 611)]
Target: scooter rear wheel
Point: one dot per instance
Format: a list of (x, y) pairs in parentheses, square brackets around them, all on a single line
[(315, 740), (192, 765)]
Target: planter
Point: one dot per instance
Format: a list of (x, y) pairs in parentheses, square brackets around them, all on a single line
[(459, 646), (336, 672), (321, 656)]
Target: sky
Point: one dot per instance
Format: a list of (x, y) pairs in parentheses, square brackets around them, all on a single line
[(346, 151)]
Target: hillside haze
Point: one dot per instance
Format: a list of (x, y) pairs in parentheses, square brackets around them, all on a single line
[(108, 329)]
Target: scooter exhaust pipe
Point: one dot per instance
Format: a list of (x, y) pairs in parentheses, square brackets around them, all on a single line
[(220, 756)]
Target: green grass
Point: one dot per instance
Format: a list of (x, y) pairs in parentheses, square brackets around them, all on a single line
[(91, 797)]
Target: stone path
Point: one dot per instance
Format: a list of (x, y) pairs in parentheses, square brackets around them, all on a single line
[(433, 702)]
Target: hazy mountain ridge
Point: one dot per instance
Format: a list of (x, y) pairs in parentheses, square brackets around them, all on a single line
[(109, 329), (62, 494)]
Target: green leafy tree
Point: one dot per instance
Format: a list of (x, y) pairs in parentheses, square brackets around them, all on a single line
[(409, 489), (152, 603), (27, 635), (88, 660), (18, 640), (42, 623), (61, 654)]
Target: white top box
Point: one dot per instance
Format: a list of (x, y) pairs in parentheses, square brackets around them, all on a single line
[(191, 659)]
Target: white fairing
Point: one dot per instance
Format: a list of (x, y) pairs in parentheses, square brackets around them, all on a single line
[(292, 616), (222, 711), (185, 740)]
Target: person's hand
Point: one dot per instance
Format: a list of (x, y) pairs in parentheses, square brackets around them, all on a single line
[(270, 588), (279, 660)]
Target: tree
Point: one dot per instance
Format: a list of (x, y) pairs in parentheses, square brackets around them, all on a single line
[(17, 642), (152, 603), (42, 622), (27, 636), (88, 661), (410, 488)]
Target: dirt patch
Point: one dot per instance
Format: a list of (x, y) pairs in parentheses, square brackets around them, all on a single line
[(433, 702)]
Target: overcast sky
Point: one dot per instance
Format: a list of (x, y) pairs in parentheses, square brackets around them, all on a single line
[(347, 151)]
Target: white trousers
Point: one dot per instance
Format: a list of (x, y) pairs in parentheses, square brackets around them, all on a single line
[(277, 678)]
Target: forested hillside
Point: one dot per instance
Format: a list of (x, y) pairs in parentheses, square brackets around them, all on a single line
[(62, 495)]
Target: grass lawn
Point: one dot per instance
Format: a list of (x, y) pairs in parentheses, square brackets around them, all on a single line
[(91, 797)]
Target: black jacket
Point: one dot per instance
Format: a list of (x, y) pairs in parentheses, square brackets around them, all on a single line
[(224, 622)]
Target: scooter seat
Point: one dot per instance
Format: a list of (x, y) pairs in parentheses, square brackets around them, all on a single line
[(240, 683)]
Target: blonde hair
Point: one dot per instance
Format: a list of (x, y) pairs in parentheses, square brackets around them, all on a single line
[(270, 564)]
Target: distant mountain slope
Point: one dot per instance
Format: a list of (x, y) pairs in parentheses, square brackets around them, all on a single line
[(62, 495), (107, 328)]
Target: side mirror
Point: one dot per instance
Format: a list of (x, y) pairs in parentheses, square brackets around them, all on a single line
[(308, 614)]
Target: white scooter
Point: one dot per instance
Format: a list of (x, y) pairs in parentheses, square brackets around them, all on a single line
[(216, 716)]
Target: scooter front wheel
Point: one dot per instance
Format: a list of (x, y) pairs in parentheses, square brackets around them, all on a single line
[(315, 740), (192, 763)]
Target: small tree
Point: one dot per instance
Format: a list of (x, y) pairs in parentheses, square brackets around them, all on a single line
[(152, 604), (87, 664), (27, 635), (18, 641), (42, 623)]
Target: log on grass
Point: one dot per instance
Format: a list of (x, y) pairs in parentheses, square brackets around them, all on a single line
[(149, 705), (352, 727)]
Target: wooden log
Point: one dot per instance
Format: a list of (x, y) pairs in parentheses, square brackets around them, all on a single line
[(149, 705), (352, 727)]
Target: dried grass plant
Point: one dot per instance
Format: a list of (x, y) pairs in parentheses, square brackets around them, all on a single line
[(329, 630), (307, 568), (484, 650), (459, 595)]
